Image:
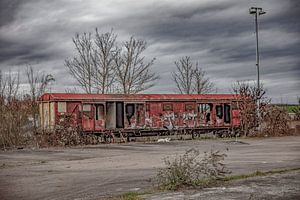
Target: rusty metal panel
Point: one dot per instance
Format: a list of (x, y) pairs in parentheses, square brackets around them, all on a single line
[(99, 117), (46, 115), (140, 115), (52, 115), (41, 115), (88, 117), (235, 117), (155, 114), (73, 109)]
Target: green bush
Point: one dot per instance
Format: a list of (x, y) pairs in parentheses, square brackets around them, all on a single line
[(190, 169)]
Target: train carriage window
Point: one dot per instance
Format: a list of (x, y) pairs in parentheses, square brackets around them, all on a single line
[(219, 111), (168, 107), (204, 107), (62, 107), (205, 110), (86, 107), (99, 111)]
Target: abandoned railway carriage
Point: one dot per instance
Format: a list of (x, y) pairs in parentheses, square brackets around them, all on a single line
[(140, 113)]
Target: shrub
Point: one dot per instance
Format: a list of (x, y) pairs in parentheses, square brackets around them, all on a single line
[(190, 169), (275, 121), (67, 133)]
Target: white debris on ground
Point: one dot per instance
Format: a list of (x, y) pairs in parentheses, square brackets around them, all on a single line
[(164, 140)]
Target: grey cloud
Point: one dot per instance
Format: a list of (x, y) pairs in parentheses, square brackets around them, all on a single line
[(217, 34)]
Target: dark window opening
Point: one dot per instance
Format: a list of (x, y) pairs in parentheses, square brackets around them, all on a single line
[(129, 110), (219, 111), (207, 117), (205, 107), (119, 115), (205, 110), (226, 113)]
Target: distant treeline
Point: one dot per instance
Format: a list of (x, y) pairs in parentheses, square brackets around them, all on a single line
[(291, 108)]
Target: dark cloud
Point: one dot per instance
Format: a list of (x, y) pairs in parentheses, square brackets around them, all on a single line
[(217, 34), (8, 9)]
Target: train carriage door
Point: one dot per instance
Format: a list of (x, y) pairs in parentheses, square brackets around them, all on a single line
[(87, 117), (110, 120), (99, 117), (219, 115), (119, 114), (227, 116), (130, 113)]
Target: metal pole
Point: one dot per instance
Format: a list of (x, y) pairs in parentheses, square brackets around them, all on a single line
[(257, 66), (257, 11), (257, 51)]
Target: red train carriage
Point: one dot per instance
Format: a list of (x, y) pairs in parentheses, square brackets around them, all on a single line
[(100, 113)]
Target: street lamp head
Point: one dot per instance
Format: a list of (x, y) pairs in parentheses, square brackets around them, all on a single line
[(256, 10), (252, 10), (261, 12)]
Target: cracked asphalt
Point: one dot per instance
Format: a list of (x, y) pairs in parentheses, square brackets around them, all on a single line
[(95, 172)]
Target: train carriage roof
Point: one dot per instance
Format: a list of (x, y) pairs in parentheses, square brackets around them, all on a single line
[(134, 97)]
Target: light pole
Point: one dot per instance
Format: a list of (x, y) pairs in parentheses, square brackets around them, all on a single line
[(257, 12)]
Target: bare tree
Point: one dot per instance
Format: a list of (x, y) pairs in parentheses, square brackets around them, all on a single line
[(248, 95), (72, 90), (202, 83), (38, 83), (184, 75), (271, 121), (11, 84), (13, 114), (133, 74), (81, 66), (190, 78), (105, 53)]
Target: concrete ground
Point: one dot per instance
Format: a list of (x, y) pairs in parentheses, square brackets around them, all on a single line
[(92, 172)]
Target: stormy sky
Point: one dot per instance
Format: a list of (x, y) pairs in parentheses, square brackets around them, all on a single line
[(218, 34)]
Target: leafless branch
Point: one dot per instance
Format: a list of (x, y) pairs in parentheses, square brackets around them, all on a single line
[(81, 67), (202, 83), (190, 78), (133, 74), (105, 53)]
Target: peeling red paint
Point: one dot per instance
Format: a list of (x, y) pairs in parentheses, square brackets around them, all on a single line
[(169, 111)]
